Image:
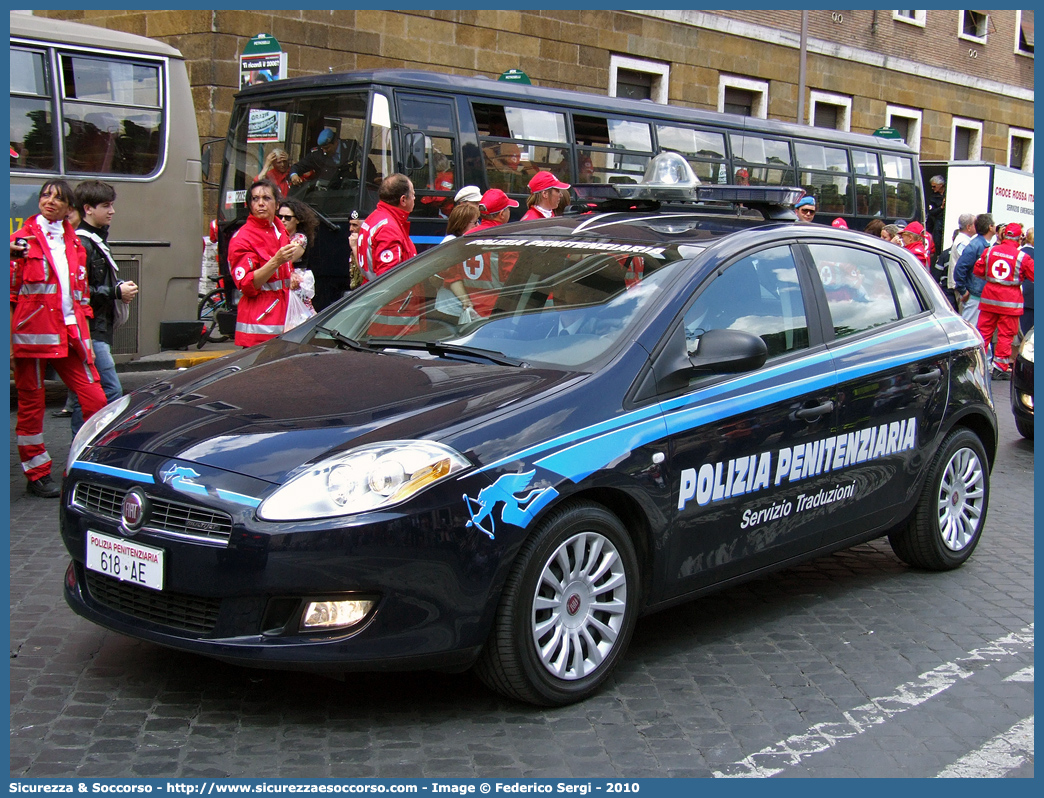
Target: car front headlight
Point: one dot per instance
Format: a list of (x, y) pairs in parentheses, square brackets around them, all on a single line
[(371, 477), (94, 426), (1026, 350)]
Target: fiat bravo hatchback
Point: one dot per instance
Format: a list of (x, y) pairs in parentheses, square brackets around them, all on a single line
[(503, 452)]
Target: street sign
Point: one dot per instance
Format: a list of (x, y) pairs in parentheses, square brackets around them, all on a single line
[(516, 76), (888, 133), (263, 61)]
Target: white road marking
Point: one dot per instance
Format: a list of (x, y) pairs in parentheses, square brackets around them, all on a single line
[(775, 758), (1025, 675), (996, 758)]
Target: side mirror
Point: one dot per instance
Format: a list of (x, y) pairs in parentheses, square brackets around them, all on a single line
[(414, 150), (206, 159), (718, 352), (728, 352)]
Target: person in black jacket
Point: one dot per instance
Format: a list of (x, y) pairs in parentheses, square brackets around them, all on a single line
[(94, 199)]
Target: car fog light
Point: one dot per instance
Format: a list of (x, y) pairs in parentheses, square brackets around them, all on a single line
[(1027, 400), (335, 614)]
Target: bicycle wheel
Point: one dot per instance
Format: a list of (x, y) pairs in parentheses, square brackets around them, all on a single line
[(208, 308)]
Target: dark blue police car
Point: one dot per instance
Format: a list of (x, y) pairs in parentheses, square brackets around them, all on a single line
[(504, 451)]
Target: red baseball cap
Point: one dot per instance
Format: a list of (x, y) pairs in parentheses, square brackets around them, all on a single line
[(495, 200), (1013, 230), (544, 180), (839, 223)]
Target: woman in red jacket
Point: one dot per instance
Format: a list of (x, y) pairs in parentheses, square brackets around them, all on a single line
[(545, 197), (50, 304), (260, 257)]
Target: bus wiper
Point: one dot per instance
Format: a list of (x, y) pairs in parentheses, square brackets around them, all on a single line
[(442, 349), (341, 338)]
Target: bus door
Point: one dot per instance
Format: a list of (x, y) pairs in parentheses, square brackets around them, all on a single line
[(429, 156)]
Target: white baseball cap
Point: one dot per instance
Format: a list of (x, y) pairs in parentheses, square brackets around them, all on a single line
[(468, 194)]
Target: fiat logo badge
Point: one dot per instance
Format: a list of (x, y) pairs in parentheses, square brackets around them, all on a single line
[(133, 510), (573, 604)]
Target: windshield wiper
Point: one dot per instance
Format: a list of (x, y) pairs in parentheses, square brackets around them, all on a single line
[(442, 349), (341, 338)]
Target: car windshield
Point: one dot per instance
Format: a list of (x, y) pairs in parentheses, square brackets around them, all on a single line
[(549, 301)]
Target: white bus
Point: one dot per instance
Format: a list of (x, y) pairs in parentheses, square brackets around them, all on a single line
[(88, 102)]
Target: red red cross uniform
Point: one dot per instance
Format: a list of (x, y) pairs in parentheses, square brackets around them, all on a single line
[(1004, 266), (40, 338)]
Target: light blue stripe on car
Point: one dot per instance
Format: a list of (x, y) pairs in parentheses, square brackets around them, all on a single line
[(123, 473), (237, 498)]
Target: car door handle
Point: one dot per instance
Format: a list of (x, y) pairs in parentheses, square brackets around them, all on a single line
[(929, 376), (812, 413)]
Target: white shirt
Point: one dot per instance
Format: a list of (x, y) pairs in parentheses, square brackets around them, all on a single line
[(55, 233), (959, 243)]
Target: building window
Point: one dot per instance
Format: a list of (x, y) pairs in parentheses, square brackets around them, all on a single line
[(833, 111), (638, 79), (908, 122), (966, 140), (910, 17), (743, 96), (974, 25), (1020, 149), (1024, 33)]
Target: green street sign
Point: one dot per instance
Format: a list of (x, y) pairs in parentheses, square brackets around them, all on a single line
[(516, 76), (262, 44), (888, 133)]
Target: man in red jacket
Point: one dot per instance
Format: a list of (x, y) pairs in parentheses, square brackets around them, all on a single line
[(384, 243), (1004, 266), (50, 305), (384, 238)]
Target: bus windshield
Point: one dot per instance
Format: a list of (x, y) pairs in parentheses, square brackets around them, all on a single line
[(313, 148)]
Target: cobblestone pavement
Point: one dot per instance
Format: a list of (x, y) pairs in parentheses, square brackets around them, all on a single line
[(851, 665)]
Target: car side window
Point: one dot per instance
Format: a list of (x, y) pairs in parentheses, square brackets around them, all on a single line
[(857, 289), (909, 301), (759, 294)]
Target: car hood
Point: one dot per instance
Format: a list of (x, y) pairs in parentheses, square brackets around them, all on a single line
[(271, 409)]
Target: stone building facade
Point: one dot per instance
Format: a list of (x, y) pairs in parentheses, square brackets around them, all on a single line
[(956, 83)]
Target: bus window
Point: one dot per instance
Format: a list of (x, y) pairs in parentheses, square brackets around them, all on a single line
[(434, 180), (767, 160), (868, 195), (703, 149), (865, 163), (824, 175), (900, 194), (611, 145), (111, 115), (897, 166), (330, 184), (380, 147), (524, 124), (32, 135), (431, 121), (510, 165), (900, 199)]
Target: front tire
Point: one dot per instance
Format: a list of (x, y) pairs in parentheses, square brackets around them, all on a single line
[(947, 523), (567, 611)]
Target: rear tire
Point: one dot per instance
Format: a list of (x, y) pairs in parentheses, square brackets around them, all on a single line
[(947, 523), (207, 312), (567, 611)]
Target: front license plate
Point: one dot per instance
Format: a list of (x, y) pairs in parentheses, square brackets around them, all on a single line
[(125, 560)]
